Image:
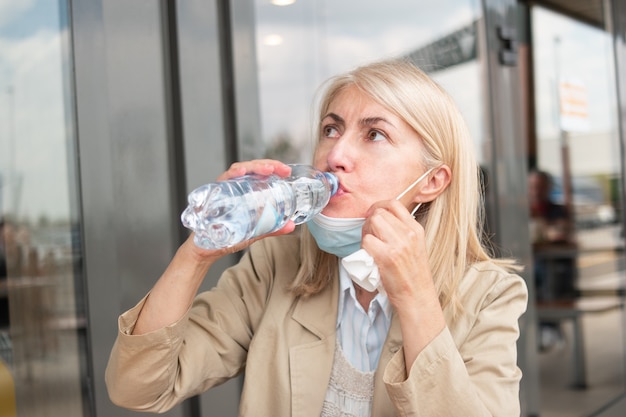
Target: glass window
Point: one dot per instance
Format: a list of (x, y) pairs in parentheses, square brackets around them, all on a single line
[(578, 235), (42, 329), (301, 44)]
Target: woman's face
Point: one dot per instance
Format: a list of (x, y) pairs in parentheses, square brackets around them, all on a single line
[(374, 153)]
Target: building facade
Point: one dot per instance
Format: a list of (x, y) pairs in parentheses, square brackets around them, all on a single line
[(112, 111)]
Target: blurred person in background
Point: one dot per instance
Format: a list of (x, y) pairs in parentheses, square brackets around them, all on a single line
[(552, 236)]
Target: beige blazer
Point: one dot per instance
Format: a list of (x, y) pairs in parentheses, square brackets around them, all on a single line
[(250, 322)]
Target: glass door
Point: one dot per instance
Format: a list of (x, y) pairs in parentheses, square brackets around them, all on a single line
[(576, 208), (42, 312), (302, 43)]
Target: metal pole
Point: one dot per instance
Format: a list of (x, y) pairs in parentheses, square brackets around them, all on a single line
[(563, 142)]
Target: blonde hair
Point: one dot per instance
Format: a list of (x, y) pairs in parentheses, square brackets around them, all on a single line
[(453, 222)]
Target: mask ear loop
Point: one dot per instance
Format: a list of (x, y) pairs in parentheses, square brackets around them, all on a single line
[(415, 209), (417, 181)]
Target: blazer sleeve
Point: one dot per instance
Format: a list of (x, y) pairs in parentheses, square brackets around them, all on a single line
[(470, 369), (142, 368), (209, 345)]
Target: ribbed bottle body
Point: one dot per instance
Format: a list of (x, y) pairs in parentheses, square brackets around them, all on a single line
[(224, 213)]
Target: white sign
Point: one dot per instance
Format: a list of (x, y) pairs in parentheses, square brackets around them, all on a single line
[(574, 111)]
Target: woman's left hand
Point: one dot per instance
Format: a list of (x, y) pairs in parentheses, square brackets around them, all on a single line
[(398, 245)]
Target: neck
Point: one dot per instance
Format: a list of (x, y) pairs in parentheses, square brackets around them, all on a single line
[(364, 297)]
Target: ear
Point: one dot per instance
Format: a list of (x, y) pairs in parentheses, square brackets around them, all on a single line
[(437, 182)]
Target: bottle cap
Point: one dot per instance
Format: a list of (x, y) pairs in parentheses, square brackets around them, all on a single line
[(334, 182)]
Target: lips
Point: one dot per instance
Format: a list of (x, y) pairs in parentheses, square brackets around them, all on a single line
[(341, 190)]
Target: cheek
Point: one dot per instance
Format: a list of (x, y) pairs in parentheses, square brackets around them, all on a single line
[(383, 188), (320, 158)]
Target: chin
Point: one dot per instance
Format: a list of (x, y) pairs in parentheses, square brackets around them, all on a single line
[(340, 214), (340, 207), (330, 212)]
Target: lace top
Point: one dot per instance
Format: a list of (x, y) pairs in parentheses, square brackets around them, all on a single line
[(350, 391)]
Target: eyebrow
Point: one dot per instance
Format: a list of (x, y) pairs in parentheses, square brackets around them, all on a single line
[(368, 121), (335, 117)]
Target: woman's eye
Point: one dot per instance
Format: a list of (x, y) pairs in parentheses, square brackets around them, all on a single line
[(330, 132), (375, 136)]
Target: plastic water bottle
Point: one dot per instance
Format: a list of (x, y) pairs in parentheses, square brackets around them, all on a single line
[(225, 213)]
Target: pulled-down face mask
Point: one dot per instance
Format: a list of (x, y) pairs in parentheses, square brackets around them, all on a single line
[(342, 237)]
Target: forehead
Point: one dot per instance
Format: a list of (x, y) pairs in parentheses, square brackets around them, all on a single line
[(351, 100)]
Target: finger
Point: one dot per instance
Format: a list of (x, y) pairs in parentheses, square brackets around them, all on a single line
[(395, 207), (257, 166), (388, 235), (286, 229), (390, 239), (289, 227), (388, 221)]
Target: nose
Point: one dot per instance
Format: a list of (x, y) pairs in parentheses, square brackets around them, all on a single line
[(342, 154)]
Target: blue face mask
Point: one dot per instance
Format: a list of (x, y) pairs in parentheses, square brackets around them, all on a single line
[(342, 236), (339, 236)]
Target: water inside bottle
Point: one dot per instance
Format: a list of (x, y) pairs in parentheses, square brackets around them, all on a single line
[(310, 195), (267, 220), (229, 229), (226, 213)]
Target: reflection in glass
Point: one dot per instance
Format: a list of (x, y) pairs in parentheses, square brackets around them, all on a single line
[(42, 320), (578, 146), (320, 39)]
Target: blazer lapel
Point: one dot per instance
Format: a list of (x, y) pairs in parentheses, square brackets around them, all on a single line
[(310, 364)]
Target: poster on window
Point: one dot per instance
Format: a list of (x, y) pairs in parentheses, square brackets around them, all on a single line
[(574, 108)]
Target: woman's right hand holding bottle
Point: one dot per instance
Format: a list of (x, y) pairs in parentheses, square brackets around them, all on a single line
[(173, 293)]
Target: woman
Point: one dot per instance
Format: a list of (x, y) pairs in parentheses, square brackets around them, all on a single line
[(436, 337)]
